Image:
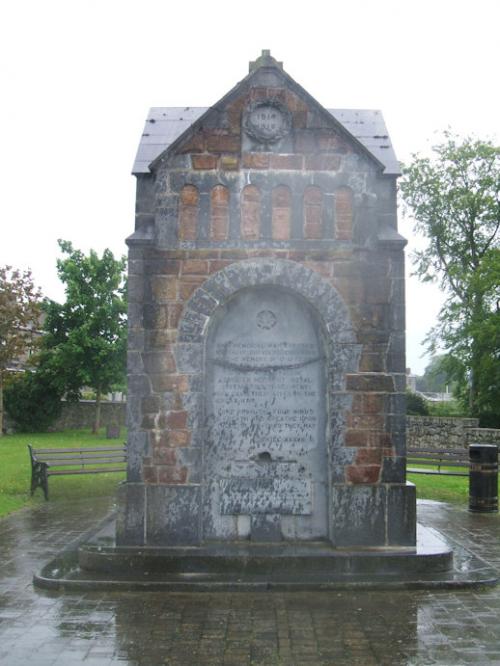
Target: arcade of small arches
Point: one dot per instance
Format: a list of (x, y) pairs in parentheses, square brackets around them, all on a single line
[(315, 216)]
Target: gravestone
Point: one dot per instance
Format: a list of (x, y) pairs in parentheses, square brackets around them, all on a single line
[(266, 327)]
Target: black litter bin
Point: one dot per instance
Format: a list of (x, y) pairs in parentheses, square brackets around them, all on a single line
[(483, 478)]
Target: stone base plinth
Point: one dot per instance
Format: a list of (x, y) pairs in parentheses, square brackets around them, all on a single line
[(99, 563), (382, 515), (362, 516)]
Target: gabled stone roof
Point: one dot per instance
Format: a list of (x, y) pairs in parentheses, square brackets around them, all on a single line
[(166, 124)]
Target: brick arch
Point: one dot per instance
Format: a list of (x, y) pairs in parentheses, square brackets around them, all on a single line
[(343, 213), (342, 350), (250, 212), (281, 218), (189, 199), (219, 213), (313, 205)]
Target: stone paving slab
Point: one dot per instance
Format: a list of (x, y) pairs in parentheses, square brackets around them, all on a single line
[(236, 629)]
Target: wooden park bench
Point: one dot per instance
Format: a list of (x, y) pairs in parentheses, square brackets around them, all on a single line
[(437, 458), (56, 462)]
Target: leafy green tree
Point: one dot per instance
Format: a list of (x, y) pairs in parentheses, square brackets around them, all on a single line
[(435, 378), (455, 200), (19, 313), (85, 341)]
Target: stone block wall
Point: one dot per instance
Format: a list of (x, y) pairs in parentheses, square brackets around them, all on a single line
[(171, 289), (432, 432), (80, 415)]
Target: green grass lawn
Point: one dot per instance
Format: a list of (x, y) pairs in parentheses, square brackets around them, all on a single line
[(453, 489), (15, 473), (15, 469)]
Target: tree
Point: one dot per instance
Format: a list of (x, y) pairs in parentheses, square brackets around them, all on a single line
[(19, 313), (85, 341), (455, 199), (435, 378)]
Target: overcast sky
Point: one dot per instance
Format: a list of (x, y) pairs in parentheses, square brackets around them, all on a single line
[(78, 77)]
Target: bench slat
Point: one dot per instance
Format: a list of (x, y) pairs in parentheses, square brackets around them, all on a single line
[(85, 463), (123, 447), (429, 454), (419, 450), (435, 471), (440, 463), (89, 456), (86, 471)]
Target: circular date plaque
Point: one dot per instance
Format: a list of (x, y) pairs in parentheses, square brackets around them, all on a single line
[(267, 121)]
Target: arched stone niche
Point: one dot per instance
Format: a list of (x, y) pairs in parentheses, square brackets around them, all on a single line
[(265, 473), (251, 485)]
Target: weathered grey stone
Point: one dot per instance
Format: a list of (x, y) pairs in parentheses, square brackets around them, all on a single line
[(172, 515), (189, 357), (190, 457), (134, 411), (266, 527), (396, 353), (138, 384), (396, 403), (219, 286), (193, 402), (393, 470), (401, 511), (135, 310), (130, 516), (192, 326), (135, 289), (399, 381), (359, 515), (204, 303), (135, 339), (135, 365)]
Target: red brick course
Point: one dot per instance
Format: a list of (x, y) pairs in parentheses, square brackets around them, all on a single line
[(204, 161), (363, 474)]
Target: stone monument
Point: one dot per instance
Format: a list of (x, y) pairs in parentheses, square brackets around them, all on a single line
[(266, 390)]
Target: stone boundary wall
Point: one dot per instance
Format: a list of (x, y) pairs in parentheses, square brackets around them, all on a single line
[(80, 415), (432, 432)]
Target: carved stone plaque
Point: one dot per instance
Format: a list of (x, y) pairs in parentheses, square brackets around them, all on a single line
[(265, 445), (279, 495), (267, 121)]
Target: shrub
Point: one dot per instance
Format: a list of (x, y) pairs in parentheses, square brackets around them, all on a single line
[(416, 405), (447, 408), (32, 402)]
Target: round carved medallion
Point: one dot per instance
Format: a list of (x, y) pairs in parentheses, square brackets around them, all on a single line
[(267, 121), (266, 319)]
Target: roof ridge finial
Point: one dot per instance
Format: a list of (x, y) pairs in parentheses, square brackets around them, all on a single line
[(264, 60)]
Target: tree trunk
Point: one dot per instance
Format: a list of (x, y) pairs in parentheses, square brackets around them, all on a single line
[(475, 364), (97, 422), (1, 404)]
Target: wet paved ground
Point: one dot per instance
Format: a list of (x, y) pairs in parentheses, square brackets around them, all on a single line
[(267, 628)]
